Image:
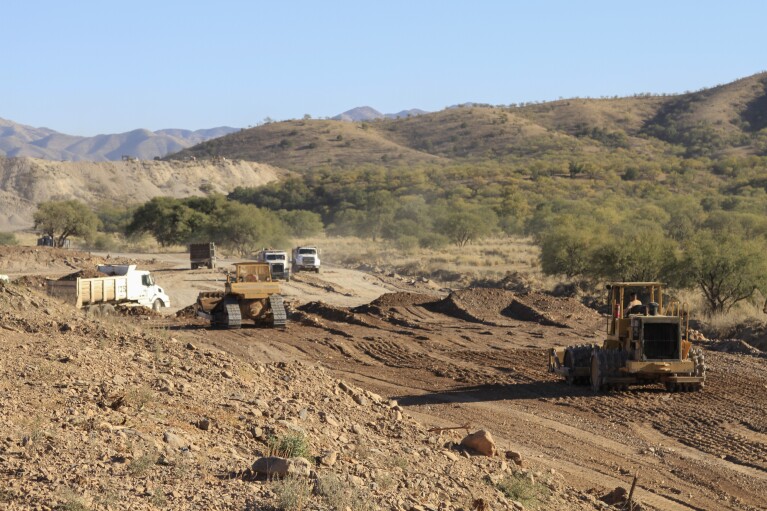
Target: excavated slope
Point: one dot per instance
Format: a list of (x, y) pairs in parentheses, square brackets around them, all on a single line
[(25, 182)]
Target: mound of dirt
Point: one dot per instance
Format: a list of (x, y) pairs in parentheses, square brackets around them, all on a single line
[(735, 346), (35, 281), (331, 313), (389, 301), (190, 311), (85, 273), (513, 281), (491, 306), (136, 311), (753, 332), (479, 305)]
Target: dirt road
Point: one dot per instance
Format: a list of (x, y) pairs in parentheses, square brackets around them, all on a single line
[(478, 357)]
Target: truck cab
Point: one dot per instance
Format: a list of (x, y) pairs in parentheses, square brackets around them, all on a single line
[(278, 263), (140, 286), (306, 259)]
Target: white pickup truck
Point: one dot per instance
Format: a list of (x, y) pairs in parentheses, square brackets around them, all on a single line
[(122, 284), (306, 258)]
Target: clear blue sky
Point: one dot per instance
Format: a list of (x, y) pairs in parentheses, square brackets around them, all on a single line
[(89, 67)]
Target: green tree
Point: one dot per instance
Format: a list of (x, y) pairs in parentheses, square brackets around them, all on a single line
[(169, 220), (568, 249), (725, 267), (463, 223), (301, 223), (62, 219), (640, 254), (243, 228)]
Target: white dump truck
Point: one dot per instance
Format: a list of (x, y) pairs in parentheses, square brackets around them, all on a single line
[(121, 284), (278, 263), (306, 259)]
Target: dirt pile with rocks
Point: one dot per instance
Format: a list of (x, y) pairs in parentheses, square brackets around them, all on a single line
[(99, 413), (14, 260), (493, 306)]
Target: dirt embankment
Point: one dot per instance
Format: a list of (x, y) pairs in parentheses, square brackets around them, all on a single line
[(27, 181), (98, 414), (693, 451)]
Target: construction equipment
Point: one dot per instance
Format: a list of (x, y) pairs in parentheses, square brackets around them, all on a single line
[(644, 344), (278, 262), (121, 284), (202, 254), (306, 259), (249, 294)]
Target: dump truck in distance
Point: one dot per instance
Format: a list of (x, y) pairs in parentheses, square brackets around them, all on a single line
[(121, 284), (278, 263), (306, 259), (202, 254)]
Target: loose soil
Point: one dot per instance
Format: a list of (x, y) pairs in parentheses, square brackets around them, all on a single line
[(478, 357)]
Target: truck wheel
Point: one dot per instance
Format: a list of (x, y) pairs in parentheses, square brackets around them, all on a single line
[(316, 270), (157, 305)]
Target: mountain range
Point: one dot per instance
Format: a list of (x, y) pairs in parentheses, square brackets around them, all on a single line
[(366, 113), (718, 122), (19, 140)]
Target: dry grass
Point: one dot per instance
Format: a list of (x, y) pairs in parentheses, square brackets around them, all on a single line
[(722, 324), (491, 258), (293, 493)]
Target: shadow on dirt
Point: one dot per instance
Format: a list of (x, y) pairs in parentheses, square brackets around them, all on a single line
[(511, 392)]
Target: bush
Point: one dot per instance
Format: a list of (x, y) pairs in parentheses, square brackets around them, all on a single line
[(523, 489), (433, 240), (8, 238), (406, 244), (290, 445), (293, 493)]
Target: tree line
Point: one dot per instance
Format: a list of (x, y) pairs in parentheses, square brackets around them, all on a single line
[(691, 222)]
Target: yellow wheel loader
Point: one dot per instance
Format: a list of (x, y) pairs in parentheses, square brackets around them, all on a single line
[(249, 294), (644, 344)]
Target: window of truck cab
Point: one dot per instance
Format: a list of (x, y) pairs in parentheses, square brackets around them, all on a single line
[(307, 251)]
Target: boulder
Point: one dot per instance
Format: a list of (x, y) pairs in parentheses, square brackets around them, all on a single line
[(481, 442), (618, 496), (274, 466)]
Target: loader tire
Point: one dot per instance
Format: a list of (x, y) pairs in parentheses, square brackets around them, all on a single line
[(578, 356), (699, 359), (598, 364)]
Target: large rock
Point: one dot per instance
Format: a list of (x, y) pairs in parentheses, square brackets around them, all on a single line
[(274, 466), (481, 442)]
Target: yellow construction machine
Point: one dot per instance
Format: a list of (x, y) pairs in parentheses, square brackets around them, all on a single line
[(644, 344), (249, 294)]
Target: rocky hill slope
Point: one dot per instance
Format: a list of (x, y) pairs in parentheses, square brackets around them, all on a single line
[(25, 182), (725, 120), (18, 140), (117, 413)]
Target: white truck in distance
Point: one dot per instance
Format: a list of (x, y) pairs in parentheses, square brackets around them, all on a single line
[(122, 284), (278, 263), (306, 258)]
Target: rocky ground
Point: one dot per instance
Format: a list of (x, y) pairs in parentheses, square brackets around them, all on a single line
[(374, 390)]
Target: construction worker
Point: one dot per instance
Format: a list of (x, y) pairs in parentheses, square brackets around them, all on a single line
[(634, 301)]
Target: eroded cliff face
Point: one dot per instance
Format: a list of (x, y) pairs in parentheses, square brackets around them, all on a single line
[(25, 182)]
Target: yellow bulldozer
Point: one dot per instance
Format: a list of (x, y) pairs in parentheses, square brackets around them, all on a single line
[(249, 294), (644, 344)]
